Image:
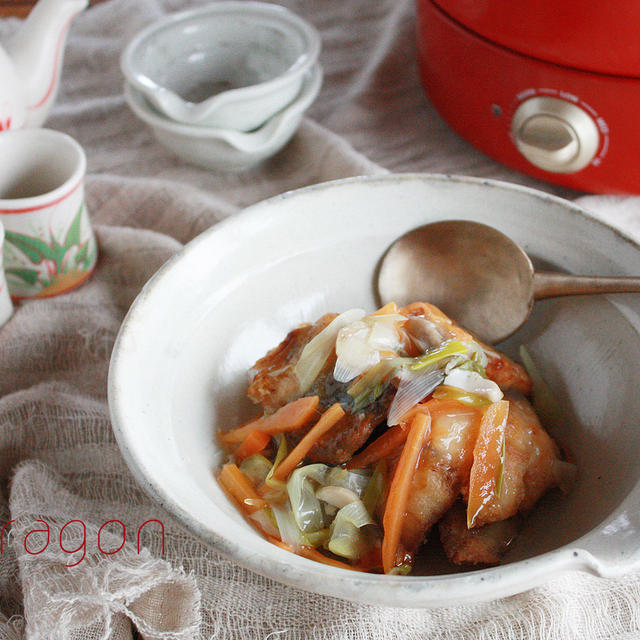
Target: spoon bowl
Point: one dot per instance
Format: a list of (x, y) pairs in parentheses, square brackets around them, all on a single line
[(477, 275)]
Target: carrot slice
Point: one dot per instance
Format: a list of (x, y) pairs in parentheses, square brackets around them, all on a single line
[(400, 485), (381, 447), (388, 309), (390, 440), (488, 461), (255, 442), (327, 420), (288, 418), (239, 486), (311, 554)]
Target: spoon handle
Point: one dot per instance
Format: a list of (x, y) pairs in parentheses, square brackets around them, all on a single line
[(548, 285)]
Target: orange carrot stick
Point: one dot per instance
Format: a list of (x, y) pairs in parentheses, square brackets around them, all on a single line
[(288, 418), (388, 309), (488, 460), (312, 554), (381, 447), (327, 420), (400, 485), (255, 442), (239, 486)]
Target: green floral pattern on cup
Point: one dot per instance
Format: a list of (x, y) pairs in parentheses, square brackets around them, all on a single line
[(66, 263)]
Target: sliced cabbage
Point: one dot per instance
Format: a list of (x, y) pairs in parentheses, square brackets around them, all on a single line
[(320, 347), (305, 506), (473, 382), (347, 539)]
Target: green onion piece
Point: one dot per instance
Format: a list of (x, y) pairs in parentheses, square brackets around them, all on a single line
[(452, 348)]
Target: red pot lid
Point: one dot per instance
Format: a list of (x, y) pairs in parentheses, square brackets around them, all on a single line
[(590, 34)]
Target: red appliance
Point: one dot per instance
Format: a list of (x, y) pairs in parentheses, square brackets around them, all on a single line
[(551, 88)]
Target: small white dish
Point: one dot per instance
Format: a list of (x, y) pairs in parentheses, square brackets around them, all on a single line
[(179, 370), (231, 65), (227, 149)]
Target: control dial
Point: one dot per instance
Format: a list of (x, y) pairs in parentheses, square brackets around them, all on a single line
[(555, 135)]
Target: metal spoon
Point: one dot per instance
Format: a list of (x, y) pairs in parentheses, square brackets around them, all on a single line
[(478, 276)]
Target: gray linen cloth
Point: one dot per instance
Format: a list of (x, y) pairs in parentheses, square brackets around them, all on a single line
[(60, 462)]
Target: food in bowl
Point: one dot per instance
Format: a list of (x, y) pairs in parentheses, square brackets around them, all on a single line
[(378, 427)]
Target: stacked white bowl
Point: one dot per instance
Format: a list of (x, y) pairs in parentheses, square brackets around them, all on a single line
[(226, 85)]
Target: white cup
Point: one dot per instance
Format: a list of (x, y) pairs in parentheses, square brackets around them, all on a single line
[(6, 306), (49, 245)]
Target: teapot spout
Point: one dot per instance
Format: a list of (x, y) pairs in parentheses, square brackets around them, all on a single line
[(37, 51)]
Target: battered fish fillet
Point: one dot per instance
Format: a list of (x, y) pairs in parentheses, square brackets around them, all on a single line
[(481, 545), (532, 465)]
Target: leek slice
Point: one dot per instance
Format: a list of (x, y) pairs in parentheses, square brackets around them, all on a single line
[(443, 392), (355, 481), (289, 531), (473, 382), (305, 506), (347, 539), (317, 351), (434, 356), (265, 520), (374, 491), (278, 486), (412, 390), (256, 468)]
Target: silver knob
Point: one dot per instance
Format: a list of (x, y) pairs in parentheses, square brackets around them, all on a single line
[(555, 135)]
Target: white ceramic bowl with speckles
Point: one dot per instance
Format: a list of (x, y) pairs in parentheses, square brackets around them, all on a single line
[(178, 371)]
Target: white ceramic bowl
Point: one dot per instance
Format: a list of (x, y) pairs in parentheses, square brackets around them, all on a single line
[(178, 371), (228, 64), (226, 149)]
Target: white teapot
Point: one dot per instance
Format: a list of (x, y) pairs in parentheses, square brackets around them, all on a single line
[(31, 63)]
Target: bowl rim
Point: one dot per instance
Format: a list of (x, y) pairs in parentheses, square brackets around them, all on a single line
[(414, 591), (252, 7)]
